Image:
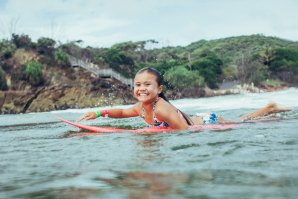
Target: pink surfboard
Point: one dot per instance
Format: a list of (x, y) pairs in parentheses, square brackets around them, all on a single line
[(96, 129)]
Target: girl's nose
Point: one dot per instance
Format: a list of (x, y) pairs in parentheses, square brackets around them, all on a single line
[(142, 88)]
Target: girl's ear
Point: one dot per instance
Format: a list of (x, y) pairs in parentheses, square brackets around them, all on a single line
[(160, 89)]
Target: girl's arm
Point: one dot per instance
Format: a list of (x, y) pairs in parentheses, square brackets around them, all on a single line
[(168, 113), (112, 113)]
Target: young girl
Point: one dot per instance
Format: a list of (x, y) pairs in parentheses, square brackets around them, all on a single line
[(157, 111)]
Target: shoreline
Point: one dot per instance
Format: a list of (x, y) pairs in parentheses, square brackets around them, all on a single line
[(68, 97)]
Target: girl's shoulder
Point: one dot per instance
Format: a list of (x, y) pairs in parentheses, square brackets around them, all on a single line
[(163, 105), (161, 101)]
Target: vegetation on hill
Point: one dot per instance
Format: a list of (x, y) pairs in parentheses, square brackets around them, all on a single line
[(264, 61)]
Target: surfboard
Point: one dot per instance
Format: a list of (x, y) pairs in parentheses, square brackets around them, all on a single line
[(97, 129)]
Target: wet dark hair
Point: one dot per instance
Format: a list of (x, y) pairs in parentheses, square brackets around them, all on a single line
[(158, 76), (160, 81)]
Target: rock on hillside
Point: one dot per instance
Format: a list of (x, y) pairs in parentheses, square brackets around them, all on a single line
[(62, 88)]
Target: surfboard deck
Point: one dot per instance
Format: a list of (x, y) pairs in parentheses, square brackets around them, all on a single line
[(96, 129)]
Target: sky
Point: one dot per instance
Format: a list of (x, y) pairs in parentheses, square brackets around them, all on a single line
[(103, 23)]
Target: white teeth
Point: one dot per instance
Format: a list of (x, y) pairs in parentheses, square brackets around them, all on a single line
[(143, 94)]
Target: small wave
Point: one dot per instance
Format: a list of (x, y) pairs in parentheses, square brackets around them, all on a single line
[(184, 146)]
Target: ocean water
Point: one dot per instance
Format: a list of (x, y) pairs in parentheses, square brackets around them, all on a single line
[(41, 157)]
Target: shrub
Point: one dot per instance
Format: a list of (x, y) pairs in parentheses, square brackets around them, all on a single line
[(273, 83), (61, 57), (45, 45), (7, 49), (3, 85), (33, 72), (72, 48), (230, 72)]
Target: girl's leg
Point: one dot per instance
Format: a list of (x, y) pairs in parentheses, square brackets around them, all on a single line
[(271, 107)]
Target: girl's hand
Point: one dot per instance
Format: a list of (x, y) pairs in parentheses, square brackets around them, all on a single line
[(88, 116)]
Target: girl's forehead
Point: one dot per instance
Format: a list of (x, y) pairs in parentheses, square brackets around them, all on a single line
[(145, 76)]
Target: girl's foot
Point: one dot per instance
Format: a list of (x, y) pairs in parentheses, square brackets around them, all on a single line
[(274, 108), (271, 107)]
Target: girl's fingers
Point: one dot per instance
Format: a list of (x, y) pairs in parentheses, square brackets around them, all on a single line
[(87, 116), (84, 117), (81, 118)]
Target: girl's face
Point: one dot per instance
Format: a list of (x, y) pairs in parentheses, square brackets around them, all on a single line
[(146, 88)]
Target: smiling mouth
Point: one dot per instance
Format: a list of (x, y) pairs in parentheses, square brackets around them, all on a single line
[(143, 94)]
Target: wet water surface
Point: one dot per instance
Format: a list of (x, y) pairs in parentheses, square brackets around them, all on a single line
[(44, 158)]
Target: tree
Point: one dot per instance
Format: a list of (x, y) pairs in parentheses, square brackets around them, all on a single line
[(266, 55), (285, 64), (209, 66), (119, 61), (179, 77), (21, 41), (250, 69)]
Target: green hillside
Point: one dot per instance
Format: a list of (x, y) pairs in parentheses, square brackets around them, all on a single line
[(258, 59)]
